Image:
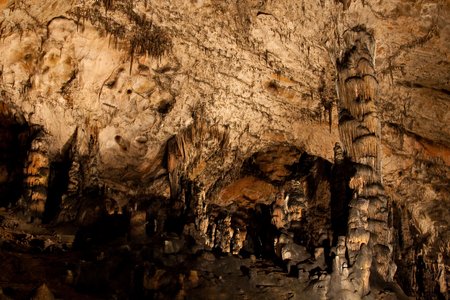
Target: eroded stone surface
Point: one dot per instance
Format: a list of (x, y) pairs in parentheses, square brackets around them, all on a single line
[(229, 118)]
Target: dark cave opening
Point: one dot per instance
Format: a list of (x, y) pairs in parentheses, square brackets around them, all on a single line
[(57, 185), (262, 232), (314, 189), (15, 138), (58, 180), (341, 194)]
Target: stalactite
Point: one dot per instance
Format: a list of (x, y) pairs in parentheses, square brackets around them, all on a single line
[(196, 143)]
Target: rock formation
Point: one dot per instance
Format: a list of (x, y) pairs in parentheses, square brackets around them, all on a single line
[(369, 232), (278, 149)]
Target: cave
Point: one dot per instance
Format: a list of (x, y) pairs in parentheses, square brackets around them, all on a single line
[(224, 149)]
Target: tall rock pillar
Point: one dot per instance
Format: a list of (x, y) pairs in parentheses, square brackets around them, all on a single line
[(37, 172), (360, 130)]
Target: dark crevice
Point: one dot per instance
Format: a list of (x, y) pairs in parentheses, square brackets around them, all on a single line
[(262, 232), (341, 194), (410, 84), (344, 63), (345, 116), (263, 13), (165, 107), (360, 77), (360, 99), (59, 180), (364, 136)]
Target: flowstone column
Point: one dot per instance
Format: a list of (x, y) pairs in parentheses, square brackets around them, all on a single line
[(360, 129), (37, 172)]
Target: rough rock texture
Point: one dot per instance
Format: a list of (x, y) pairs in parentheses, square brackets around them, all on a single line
[(360, 130), (218, 122)]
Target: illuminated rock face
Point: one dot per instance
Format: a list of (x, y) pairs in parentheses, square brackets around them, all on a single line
[(263, 127), (369, 232)]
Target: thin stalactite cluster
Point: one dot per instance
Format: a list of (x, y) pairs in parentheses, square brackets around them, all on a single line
[(141, 35)]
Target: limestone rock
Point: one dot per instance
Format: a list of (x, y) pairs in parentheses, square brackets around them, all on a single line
[(232, 123), (43, 293)]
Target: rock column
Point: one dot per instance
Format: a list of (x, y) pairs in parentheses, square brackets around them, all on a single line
[(360, 129), (37, 172)]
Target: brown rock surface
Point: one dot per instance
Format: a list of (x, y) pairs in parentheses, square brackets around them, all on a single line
[(219, 119)]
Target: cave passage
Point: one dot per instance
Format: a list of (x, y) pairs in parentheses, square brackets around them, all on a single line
[(341, 194), (58, 182)]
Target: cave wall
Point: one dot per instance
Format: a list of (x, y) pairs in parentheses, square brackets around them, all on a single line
[(258, 72)]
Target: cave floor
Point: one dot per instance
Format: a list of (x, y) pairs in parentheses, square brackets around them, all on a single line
[(35, 254)]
